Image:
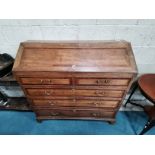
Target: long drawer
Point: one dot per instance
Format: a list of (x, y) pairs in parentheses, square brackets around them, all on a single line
[(74, 92), (45, 81), (76, 103), (75, 113)]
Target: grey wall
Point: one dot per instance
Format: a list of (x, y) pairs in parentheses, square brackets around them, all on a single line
[(141, 33)]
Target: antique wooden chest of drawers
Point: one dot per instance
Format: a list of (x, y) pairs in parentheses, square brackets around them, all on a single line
[(75, 79)]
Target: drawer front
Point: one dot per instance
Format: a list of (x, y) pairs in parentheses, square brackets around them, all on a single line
[(42, 81), (50, 92), (99, 93), (74, 92), (76, 103), (107, 82), (75, 113)]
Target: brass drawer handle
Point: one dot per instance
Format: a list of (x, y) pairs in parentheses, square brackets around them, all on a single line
[(97, 103), (51, 103), (100, 92), (95, 114), (46, 81), (103, 81), (47, 92), (74, 100), (74, 110), (54, 113)]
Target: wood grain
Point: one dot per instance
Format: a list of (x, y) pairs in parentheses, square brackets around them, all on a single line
[(44, 81), (74, 103), (88, 57)]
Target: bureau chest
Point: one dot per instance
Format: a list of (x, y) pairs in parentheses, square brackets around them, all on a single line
[(75, 79)]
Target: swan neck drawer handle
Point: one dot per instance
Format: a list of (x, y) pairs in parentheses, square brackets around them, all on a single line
[(46, 81), (95, 114), (52, 103), (47, 92), (74, 110), (103, 81), (54, 113), (99, 92), (97, 103)]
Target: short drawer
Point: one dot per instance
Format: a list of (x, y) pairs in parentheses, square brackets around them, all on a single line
[(104, 81), (99, 93), (75, 113), (43, 81), (76, 103)]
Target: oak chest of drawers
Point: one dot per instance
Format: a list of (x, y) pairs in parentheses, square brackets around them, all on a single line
[(75, 79)]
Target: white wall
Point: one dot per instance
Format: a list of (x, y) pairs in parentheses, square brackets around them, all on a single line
[(141, 33)]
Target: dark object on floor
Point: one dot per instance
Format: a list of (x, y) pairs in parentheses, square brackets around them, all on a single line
[(6, 64), (12, 103), (146, 84), (16, 103), (3, 99)]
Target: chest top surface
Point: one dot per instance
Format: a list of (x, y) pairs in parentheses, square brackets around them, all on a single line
[(75, 56)]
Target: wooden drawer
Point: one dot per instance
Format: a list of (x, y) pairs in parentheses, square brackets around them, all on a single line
[(76, 103), (75, 113), (103, 81), (43, 81), (99, 93), (50, 92), (74, 92)]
